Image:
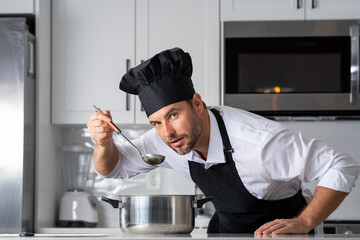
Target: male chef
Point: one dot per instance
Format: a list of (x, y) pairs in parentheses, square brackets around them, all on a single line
[(252, 167)]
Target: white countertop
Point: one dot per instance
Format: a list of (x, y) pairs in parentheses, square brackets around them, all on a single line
[(112, 234), (67, 236)]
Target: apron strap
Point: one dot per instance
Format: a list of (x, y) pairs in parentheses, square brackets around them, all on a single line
[(225, 138)]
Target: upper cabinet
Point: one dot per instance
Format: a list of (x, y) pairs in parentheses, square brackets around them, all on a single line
[(16, 6), (262, 10), (96, 41), (332, 9), (258, 10), (191, 25), (93, 44)]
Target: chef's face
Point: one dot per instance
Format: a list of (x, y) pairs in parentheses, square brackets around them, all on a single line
[(179, 126)]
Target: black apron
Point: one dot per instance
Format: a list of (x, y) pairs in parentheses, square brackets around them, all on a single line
[(237, 211)]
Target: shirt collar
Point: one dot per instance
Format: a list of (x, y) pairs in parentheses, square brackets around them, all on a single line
[(216, 149)]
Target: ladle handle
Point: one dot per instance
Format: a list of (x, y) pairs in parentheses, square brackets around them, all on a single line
[(112, 125), (130, 142), (117, 130)]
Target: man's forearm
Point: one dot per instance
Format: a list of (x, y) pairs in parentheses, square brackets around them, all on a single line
[(324, 202), (105, 158)]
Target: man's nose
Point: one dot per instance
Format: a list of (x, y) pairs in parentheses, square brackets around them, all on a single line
[(168, 130)]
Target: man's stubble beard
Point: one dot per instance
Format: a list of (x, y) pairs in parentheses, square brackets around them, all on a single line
[(194, 136)]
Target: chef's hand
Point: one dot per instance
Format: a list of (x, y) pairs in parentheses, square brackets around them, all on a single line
[(105, 154), (323, 203), (281, 226), (99, 128)]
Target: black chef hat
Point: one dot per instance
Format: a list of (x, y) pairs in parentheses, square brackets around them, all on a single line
[(161, 80)]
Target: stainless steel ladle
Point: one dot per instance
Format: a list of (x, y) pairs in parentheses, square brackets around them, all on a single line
[(152, 159)]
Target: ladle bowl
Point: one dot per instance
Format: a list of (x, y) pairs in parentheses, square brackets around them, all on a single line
[(149, 158), (153, 159)]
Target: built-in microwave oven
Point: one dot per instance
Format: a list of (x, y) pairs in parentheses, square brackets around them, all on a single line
[(299, 68)]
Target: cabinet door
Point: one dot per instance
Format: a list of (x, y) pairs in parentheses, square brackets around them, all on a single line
[(332, 9), (16, 6), (259, 10), (93, 45), (191, 25)]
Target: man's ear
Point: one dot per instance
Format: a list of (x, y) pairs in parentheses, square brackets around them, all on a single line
[(197, 102)]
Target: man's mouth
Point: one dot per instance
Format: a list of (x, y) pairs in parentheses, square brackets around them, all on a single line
[(177, 142)]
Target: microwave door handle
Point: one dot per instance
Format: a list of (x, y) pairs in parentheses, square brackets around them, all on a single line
[(354, 65), (31, 57)]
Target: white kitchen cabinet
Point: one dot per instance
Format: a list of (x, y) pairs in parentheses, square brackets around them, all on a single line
[(191, 25), (263, 10), (94, 40), (258, 10), (332, 9), (16, 6)]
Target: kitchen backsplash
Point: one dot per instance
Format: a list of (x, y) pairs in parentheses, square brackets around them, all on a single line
[(343, 135), (158, 181)]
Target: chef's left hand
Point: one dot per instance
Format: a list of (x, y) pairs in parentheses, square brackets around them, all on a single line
[(323, 203), (281, 226)]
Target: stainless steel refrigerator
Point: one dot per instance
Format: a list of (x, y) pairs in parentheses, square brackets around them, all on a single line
[(17, 126)]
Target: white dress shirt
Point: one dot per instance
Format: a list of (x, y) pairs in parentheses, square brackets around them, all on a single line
[(271, 159)]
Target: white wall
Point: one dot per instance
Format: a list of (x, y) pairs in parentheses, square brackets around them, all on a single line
[(342, 135)]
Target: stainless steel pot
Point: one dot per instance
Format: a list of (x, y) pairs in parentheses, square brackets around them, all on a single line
[(157, 214)]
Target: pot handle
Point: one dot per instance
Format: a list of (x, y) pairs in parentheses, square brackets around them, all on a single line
[(112, 202), (199, 203)]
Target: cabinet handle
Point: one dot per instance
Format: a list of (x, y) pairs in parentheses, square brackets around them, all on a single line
[(141, 107), (354, 65), (127, 99), (313, 4), (127, 102), (298, 5)]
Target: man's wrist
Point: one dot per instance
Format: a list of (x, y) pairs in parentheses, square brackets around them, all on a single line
[(307, 222), (105, 144)]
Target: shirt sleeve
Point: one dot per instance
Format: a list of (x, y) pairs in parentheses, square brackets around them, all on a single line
[(130, 162), (286, 155)]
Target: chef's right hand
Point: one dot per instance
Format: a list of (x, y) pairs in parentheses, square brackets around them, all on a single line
[(99, 128)]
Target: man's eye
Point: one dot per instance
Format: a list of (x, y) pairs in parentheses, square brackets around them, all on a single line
[(173, 115), (156, 124)]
